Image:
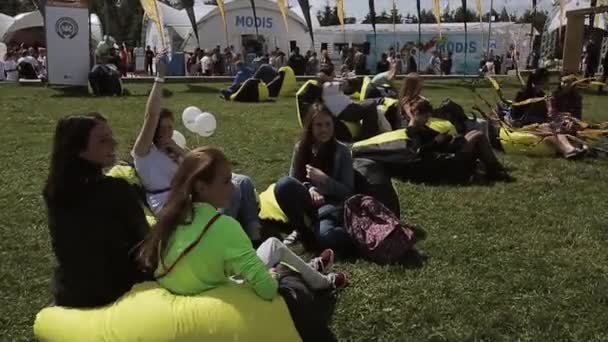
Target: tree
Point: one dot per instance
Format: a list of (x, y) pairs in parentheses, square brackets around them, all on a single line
[(427, 17), (14, 7), (122, 22), (505, 16), (396, 17), (385, 17), (328, 16), (538, 20), (459, 15), (493, 13), (447, 16)]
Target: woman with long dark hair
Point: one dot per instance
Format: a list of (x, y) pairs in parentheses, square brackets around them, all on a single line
[(94, 221), (409, 94), (536, 111), (320, 179)]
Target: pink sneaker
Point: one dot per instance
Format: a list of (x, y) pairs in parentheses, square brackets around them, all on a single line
[(324, 261), (339, 280)]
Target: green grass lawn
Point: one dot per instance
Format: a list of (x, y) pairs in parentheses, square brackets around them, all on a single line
[(523, 261)]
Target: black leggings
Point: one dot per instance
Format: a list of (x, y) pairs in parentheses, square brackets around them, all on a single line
[(366, 113)]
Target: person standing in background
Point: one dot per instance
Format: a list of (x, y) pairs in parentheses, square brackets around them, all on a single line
[(148, 60), (446, 64), (297, 62), (206, 64), (313, 64), (10, 67), (591, 61), (383, 65)]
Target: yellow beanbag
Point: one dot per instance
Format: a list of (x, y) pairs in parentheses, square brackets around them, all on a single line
[(366, 82), (148, 312), (269, 208), (526, 143), (288, 87), (129, 174)]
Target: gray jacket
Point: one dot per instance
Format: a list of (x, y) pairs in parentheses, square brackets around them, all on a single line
[(341, 184)]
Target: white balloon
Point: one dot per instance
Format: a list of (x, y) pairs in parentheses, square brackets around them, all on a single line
[(189, 118), (179, 139), (206, 124)]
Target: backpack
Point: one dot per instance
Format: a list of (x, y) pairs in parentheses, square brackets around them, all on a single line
[(376, 231)]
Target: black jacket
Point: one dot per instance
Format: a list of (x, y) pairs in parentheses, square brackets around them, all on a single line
[(94, 224)]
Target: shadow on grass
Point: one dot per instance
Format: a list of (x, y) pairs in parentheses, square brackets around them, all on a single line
[(201, 89)]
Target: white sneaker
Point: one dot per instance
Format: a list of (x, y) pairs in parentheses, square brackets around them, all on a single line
[(292, 238)]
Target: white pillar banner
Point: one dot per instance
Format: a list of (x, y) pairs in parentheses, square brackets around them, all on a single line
[(67, 41)]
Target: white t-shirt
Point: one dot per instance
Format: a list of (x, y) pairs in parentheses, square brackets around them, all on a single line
[(206, 63), (2, 76), (29, 59), (156, 171), (334, 98), (10, 67)]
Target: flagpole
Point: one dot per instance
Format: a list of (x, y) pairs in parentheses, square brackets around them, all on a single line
[(490, 24), (160, 26), (419, 33)]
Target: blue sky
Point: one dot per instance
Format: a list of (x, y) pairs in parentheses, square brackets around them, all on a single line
[(359, 8)]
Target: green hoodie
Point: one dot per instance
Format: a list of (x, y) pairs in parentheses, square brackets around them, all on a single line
[(224, 249)]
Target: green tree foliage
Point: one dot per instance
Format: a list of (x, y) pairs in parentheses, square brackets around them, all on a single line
[(328, 16), (122, 22), (538, 20), (14, 7)]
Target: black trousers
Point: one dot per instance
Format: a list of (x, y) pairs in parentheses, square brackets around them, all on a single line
[(310, 311), (366, 113)]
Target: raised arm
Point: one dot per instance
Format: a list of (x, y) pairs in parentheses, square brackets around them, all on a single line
[(146, 134)]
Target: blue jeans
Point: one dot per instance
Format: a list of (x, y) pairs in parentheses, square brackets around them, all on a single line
[(319, 228), (244, 206)]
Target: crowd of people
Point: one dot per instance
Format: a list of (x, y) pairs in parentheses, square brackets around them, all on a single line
[(21, 62)]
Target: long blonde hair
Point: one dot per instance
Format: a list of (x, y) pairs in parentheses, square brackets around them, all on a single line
[(200, 164), (410, 90)]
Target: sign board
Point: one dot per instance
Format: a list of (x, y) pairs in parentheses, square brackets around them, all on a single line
[(67, 41)]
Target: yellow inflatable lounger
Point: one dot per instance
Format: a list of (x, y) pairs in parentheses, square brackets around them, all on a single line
[(148, 312), (366, 82), (252, 90), (525, 143), (284, 84), (269, 207), (129, 174)]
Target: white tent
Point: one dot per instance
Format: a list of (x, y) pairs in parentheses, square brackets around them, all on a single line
[(34, 19), (5, 22), (211, 31)]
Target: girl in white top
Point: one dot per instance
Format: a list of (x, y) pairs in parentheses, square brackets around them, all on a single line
[(10, 68), (342, 106), (156, 157)]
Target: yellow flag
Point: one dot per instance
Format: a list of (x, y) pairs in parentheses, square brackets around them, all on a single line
[(561, 15), (153, 12), (437, 13), (283, 8), (340, 8), (220, 6), (479, 10)]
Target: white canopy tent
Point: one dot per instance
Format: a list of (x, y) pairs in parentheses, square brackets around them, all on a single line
[(31, 20), (5, 22)]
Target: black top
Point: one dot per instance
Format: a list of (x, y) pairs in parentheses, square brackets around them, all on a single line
[(94, 226), (531, 113), (298, 64), (382, 66), (568, 102), (426, 141)]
